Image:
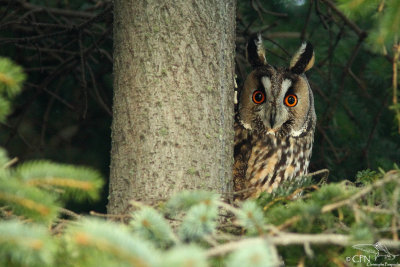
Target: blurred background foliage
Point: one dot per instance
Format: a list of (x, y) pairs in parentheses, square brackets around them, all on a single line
[(65, 47)]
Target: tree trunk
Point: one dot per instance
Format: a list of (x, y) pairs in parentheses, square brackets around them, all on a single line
[(173, 104)]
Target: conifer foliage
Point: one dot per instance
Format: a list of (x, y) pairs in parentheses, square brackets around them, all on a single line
[(11, 78), (198, 229)]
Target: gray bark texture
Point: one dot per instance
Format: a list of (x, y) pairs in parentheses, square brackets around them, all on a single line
[(173, 99)]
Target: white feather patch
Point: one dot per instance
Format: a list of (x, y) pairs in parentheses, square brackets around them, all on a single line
[(286, 84), (246, 125), (235, 98), (284, 87), (266, 82), (260, 48), (297, 133), (259, 40), (235, 81)]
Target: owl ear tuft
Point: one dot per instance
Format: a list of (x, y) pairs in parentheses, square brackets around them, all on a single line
[(303, 60), (255, 51)]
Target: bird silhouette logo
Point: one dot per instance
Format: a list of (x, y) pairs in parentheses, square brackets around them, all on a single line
[(377, 249)]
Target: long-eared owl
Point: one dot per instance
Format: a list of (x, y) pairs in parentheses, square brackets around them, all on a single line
[(275, 122)]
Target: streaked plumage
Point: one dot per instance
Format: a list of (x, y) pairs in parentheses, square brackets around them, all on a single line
[(274, 128)]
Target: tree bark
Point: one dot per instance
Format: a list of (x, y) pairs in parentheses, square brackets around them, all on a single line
[(173, 99)]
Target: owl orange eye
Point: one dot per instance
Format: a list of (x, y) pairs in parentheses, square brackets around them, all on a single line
[(291, 100), (258, 97)]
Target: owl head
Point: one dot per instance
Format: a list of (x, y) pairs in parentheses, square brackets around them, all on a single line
[(277, 100)]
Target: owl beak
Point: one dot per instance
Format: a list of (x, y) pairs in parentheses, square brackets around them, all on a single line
[(272, 117)]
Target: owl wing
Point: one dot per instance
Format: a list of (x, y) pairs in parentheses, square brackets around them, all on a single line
[(242, 151)]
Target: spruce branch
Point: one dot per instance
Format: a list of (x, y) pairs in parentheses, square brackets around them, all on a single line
[(250, 216), (4, 160), (183, 201), (10, 163), (188, 255), (25, 244), (26, 200), (11, 77), (114, 217), (257, 253), (149, 224), (200, 221), (388, 177), (114, 242), (70, 213), (288, 239), (79, 182)]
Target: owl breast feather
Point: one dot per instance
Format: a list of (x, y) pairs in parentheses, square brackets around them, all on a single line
[(267, 161)]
